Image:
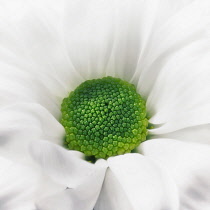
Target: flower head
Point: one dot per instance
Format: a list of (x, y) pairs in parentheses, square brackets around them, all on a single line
[(49, 48)]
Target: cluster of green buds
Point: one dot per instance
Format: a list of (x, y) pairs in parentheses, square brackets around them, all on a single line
[(104, 117)]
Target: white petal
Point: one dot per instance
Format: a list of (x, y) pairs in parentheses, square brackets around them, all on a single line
[(192, 117), (82, 179), (22, 123), (180, 96), (110, 35), (181, 99), (34, 44), (20, 186), (188, 164), (88, 28), (134, 182), (35, 37), (71, 199), (18, 86), (199, 134), (182, 83), (82, 197), (63, 165), (182, 29), (152, 16)]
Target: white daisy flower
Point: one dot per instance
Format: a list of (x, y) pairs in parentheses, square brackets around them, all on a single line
[(49, 48)]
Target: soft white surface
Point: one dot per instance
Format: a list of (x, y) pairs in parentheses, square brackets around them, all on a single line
[(22, 123), (83, 180), (63, 165), (83, 196), (21, 185), (134, 182), (199, 134), (188, 165)]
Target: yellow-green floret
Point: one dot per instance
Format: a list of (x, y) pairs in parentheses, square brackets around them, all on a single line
[(104, 117)]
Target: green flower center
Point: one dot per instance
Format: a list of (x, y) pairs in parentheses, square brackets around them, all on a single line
[(104, 117)]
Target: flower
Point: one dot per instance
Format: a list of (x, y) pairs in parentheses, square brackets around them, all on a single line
[(49, 48)]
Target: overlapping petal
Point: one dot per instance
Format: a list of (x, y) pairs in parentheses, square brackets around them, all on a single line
[(135, 182), (199, 134), (176, 82), (83, 180), (187, 25), (114, 36), (25, 122), (188, 165), (21, 185), (185, 102), (34, 46)]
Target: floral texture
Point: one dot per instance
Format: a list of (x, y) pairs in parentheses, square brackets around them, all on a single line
[(48, 48)]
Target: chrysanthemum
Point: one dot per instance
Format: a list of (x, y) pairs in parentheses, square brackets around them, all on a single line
[(47, 49)]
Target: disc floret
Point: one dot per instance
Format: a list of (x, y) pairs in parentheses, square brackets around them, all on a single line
[(104, 117)]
